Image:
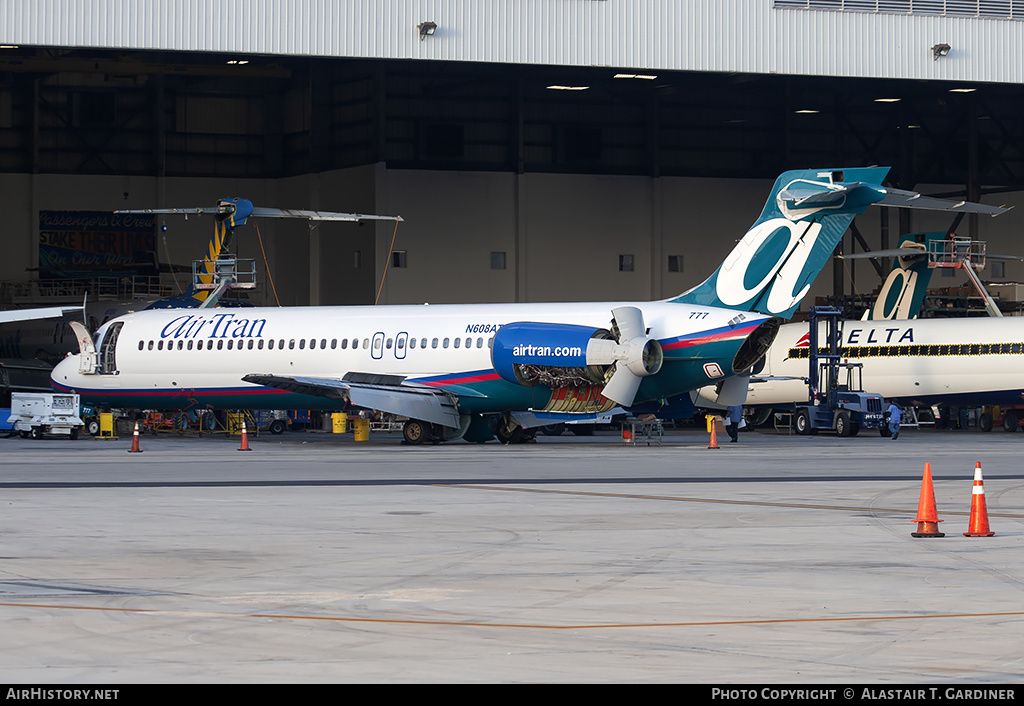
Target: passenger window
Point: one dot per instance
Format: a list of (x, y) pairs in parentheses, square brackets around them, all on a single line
[(344, 343), (445, 343), (457, 342), (231, 344), (189, 344), (220, 345), (291, 344), (480, 343), (334, 343), (366, 343), (302, 344), (181, 344), (433, 344), (270, 344), (159, 345), (388, 344), (260, 344), (150, 346), (376, 344), (412, 344), (251, 344), (280, 343), (469, 342), (423, 343), (323, 343)]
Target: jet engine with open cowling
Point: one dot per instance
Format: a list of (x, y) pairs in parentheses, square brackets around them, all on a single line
[(569, 356)]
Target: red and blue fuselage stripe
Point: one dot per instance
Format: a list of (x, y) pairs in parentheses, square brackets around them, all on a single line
[(724, 333)]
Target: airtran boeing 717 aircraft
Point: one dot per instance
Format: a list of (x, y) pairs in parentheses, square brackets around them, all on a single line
[(442, 367)]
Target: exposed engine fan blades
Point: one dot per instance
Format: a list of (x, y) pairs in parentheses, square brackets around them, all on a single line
[(637, 356)]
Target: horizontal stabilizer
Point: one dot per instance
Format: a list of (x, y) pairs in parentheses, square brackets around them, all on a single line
[(318, 215), (50, 312), (891, 252), (262, 212), (911, 199)]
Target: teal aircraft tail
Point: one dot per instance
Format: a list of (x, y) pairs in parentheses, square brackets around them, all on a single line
[(902, 294), (772, 267)]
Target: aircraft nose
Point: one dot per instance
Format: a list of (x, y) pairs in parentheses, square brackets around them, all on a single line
[(62, 373)]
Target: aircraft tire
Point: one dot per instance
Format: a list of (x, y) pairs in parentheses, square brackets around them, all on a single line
[(1010, 421), (985, 421), (513, 436), (415, 432)]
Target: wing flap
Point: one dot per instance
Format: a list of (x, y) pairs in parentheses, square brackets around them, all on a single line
[(423, 403)]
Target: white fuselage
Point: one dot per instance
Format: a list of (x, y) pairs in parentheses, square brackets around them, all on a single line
[(194, 352), (926, 361)]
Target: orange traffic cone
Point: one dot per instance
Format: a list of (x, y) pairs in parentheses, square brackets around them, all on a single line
[(245, 439), (135, 441), (978, 526), (713, 423), (927, 518)]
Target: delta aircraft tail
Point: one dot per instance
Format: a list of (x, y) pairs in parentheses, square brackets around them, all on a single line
[(808, 211)]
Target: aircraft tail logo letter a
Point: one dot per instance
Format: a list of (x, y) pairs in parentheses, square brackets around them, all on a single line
[(772, 267)]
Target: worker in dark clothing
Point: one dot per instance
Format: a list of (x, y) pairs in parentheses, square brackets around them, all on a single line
[(895, 415), (733, 418)]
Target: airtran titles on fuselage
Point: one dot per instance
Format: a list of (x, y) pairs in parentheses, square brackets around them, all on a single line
[(222, 325)]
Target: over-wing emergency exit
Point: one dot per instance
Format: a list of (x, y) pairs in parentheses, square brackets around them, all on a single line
[(442, 367)]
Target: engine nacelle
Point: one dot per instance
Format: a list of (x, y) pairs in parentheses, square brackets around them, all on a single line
[(566, 355), (528, 353)]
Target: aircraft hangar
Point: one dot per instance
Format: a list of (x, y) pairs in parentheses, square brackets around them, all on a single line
[(537, 149)]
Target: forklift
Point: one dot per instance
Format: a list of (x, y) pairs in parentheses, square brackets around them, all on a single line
[(836, 399)]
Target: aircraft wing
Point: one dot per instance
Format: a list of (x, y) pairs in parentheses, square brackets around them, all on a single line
[(426, 403), (50, 312)]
